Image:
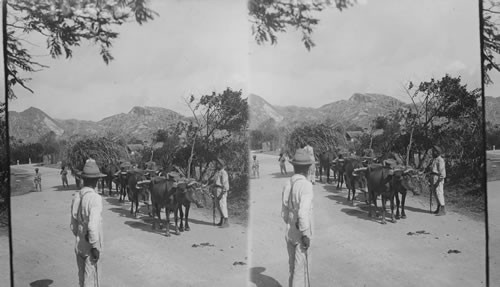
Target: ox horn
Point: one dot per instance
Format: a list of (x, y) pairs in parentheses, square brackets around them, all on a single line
[(408, 170), (356, 170)]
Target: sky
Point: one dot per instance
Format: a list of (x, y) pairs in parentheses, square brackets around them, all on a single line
[(197, 47), (192, 47), (373, 47)]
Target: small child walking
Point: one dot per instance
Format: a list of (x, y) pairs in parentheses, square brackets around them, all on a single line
[(38, 180), (255, 167), (282, 161)]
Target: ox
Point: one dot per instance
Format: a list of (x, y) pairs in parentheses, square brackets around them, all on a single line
[(338, 171), (325, 160), (163, 192), (122, 182), (385, 182), (188, 192), (405, 180), (354, 179), (109, 170), (136, 188)]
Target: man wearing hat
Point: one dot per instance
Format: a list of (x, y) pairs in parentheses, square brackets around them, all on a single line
[(86, 225), (438, 174), (221, 188), (296, 211)]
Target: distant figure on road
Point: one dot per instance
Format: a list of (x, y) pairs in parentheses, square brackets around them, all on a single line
[(255, 167), (438, 173), (86, 225), (38, 180), (221, 189), (296, 211), (64, 177), (282, 161), (312, 169)]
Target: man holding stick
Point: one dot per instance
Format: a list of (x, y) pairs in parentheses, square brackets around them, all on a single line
[(438, 174), (86, 225), (296, 211), (221, 185)]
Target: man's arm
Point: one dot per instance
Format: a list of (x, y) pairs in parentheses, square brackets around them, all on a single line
[(94, 221), (442, 169), (225, 182), (305, 206), (284, 202), (74, 223)]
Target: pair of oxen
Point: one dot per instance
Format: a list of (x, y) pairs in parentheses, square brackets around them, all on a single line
[(384, 180), (171, 192)]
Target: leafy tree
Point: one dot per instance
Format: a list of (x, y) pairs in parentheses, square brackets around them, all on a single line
[(64, 24), (50, 144), (269, 17), (219, 130), (491, 37), (267, 131)]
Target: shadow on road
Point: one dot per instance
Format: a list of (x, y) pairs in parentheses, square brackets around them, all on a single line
[(61, 188), (262, 280), (414, 209), (279, 175), (196, 221), (41, 283), (332, 189)]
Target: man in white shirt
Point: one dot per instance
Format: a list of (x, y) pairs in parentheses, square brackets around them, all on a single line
[(86, 225), (221, 189), (296, 212), (438, 173)]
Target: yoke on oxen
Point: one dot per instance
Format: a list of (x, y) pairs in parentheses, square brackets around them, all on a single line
[(388, 180)]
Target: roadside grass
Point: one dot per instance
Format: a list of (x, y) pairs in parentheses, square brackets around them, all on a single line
[(467, 199), (238, 206)]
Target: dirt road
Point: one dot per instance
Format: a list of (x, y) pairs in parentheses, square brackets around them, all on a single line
[(350, 249), (133, 254)]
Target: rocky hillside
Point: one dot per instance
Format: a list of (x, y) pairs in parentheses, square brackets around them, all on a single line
[(360, 109), (31, 124), (140, 122)]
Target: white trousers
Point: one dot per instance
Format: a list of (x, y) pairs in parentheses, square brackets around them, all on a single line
[(440, 193), (298, 263), (88, 275), (223, 203)]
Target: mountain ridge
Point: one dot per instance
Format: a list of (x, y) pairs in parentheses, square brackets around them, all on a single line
[(360, 109), (140, 122)]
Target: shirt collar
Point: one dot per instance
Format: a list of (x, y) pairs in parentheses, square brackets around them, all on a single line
[(86, 189)]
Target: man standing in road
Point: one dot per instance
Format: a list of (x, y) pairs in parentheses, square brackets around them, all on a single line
[(221, 189), (64, 177), (255, 167), (438, 173), (296, 211), (312, 168), (86, 225), (38, 180)]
